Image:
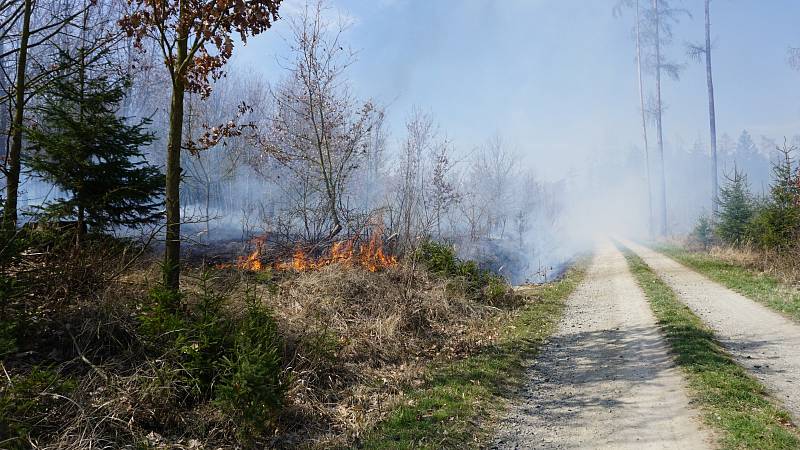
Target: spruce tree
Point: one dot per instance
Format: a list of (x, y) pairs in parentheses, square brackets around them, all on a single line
[(703, 232), (735, 208), (93, 155), (778, 223)]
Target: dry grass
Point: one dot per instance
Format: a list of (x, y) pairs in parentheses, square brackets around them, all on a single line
[(356, 338), (783, 266), (354, 341)]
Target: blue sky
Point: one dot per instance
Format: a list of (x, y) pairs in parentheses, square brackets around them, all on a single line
[(556, 78)]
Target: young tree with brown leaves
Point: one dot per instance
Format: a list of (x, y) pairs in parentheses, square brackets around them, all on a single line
[(196, 40)]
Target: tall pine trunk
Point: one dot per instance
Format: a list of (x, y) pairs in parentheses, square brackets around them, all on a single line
[(172, 250), (14, 166), (644, 121), (659, 133), (4, 111), (712, 121)]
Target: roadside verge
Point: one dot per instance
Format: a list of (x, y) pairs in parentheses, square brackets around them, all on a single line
[(459, 402)]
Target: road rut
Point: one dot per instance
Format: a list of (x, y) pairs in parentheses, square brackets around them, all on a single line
[(605, 378)]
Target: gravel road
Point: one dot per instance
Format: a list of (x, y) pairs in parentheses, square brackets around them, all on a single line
[(761, 340), (605, 378)]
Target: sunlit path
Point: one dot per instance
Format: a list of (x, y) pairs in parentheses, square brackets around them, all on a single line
[(605, 379)]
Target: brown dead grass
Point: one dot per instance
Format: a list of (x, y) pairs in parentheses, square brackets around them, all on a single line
[(354, 341), (783, 266)]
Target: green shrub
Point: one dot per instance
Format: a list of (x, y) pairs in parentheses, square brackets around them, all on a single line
[(735, 209), (161, 324), (777, 222), (703, 233), (251, 388), (209, 338), (236, 361), (496, 290), (198, 337), (441, 259), (26, 401)]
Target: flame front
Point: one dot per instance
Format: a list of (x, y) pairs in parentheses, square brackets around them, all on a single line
[(370, 256), (253, 260), (373, 258)]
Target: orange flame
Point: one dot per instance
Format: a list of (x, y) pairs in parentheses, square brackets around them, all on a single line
[(373, 258), (253, 260), (369, 256)]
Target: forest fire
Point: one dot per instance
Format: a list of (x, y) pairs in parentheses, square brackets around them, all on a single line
[(369, 256)]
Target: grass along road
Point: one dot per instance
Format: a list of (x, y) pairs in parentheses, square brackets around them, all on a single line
[(761, 340), (460, 401), (734, 403), (752, 284)]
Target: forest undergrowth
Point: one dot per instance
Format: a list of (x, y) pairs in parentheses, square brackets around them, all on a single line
[(96, 353)]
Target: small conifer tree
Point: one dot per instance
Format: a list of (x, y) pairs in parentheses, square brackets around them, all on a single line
[(735, 208), (703, 232), (778, 222), (93, 155)]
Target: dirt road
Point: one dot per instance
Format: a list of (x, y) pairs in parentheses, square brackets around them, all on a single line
[(761, 340), (605, 379)]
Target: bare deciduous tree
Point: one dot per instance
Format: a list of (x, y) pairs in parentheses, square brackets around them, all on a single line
[(494, 170), (661, 18), (635, 4), (40, 23), (319, 126)]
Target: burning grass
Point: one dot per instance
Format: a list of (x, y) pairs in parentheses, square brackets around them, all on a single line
[(350, 252)]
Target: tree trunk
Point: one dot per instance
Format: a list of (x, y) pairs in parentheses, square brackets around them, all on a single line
[(81, 227), (659, 133), (644, 122), (712, 121), (208, 206), (172, 250), (14, 167), (3, 111)]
